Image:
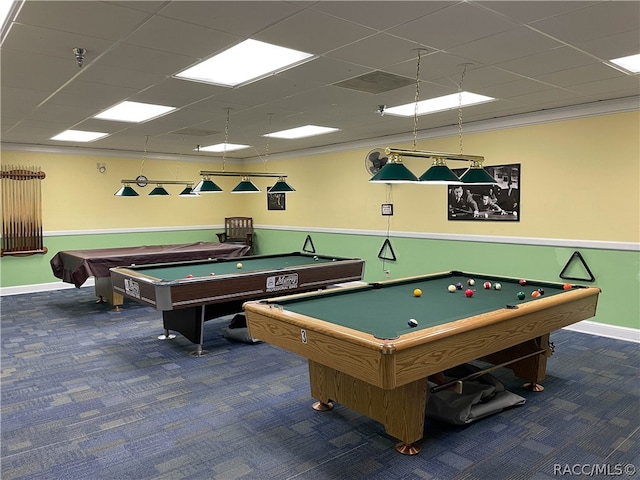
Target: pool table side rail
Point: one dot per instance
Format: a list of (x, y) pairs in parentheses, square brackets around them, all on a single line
[(415, 355), (188, 292), (478, 277)]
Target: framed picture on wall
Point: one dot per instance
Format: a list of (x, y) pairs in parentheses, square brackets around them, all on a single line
[(276, 201), (499, 202)]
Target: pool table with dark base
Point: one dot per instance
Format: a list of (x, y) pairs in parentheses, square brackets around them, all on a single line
[(190, 293), (363, 354), (76, 266)]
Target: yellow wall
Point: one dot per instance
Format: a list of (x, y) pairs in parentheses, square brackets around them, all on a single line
[(76, 196), (580, 180)]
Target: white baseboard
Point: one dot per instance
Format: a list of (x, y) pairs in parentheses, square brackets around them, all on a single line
[(585, 326), (604, 330)]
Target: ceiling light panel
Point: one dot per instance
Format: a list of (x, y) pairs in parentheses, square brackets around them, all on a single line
[(439, 104), (301, 132), (630, 63), (246, 62), (78, 136), (134, 112), (223, 147)]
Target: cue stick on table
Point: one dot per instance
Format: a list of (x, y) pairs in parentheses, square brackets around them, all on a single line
[(458, 382)]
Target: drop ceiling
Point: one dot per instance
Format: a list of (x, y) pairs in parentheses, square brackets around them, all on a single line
[(531, 56)]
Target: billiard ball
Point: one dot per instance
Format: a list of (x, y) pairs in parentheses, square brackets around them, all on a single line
[(189, 276), (497, 286), (535, 294), (471, 282), (487, 285), (468, 292), (522, 282), (412, 322), (541, 290), (238, 265), (417, 292), (451, 288), (566, 286), (315, 257), (212, 274), (458, 286), (521, 295)]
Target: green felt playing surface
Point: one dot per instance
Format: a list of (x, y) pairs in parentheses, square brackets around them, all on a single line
[(385, 310), (177, 271)]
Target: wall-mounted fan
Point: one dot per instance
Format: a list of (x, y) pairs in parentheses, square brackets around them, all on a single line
[(375, 160)]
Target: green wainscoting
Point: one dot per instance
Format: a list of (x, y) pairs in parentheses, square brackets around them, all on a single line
[(616, 272)]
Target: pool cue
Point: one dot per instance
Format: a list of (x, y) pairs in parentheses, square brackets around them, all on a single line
[(458, 382), (5, 218)]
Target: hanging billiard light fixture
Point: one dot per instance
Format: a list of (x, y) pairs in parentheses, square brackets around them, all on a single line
[(245, 186), (126, 191), (281, 186)]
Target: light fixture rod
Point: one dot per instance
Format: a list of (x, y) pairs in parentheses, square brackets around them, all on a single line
[(164, 182), (429, 154), (241, 174)]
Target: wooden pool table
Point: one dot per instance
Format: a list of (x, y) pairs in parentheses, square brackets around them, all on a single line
[(363, 354), (190, 293)]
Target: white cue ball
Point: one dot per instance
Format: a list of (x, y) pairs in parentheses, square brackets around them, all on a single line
[(497, 286), (451, 288), (238, 265)]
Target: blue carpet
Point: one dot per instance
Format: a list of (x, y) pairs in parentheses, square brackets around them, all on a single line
[(90, 393)]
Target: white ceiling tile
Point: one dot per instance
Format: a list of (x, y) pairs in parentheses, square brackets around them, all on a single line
[(135, 47)]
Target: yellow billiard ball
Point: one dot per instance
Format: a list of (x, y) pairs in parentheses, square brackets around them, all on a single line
[(238, 265), (417, 292)]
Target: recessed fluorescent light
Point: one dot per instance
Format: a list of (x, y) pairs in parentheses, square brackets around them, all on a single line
[(222, 147), (134, 112), (78, 136), (439, 104), (631, 63), (246, 61), (301, 132)]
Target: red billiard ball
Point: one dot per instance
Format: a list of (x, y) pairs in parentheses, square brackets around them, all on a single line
[(487, 285), (468, 292), (522, 282), (189, 276)]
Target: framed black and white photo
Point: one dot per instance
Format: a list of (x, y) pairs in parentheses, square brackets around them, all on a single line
[(499, 202), (276, 201)]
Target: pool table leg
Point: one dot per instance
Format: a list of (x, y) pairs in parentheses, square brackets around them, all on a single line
[(104, 290), (401, 410)]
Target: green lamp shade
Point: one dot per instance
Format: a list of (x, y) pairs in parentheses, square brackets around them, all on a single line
[(245, 186), (188, 192), (477, 176), (126, 191), (281, 187), (394, 172), (439, 174), (158, 191), (206, 186)]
